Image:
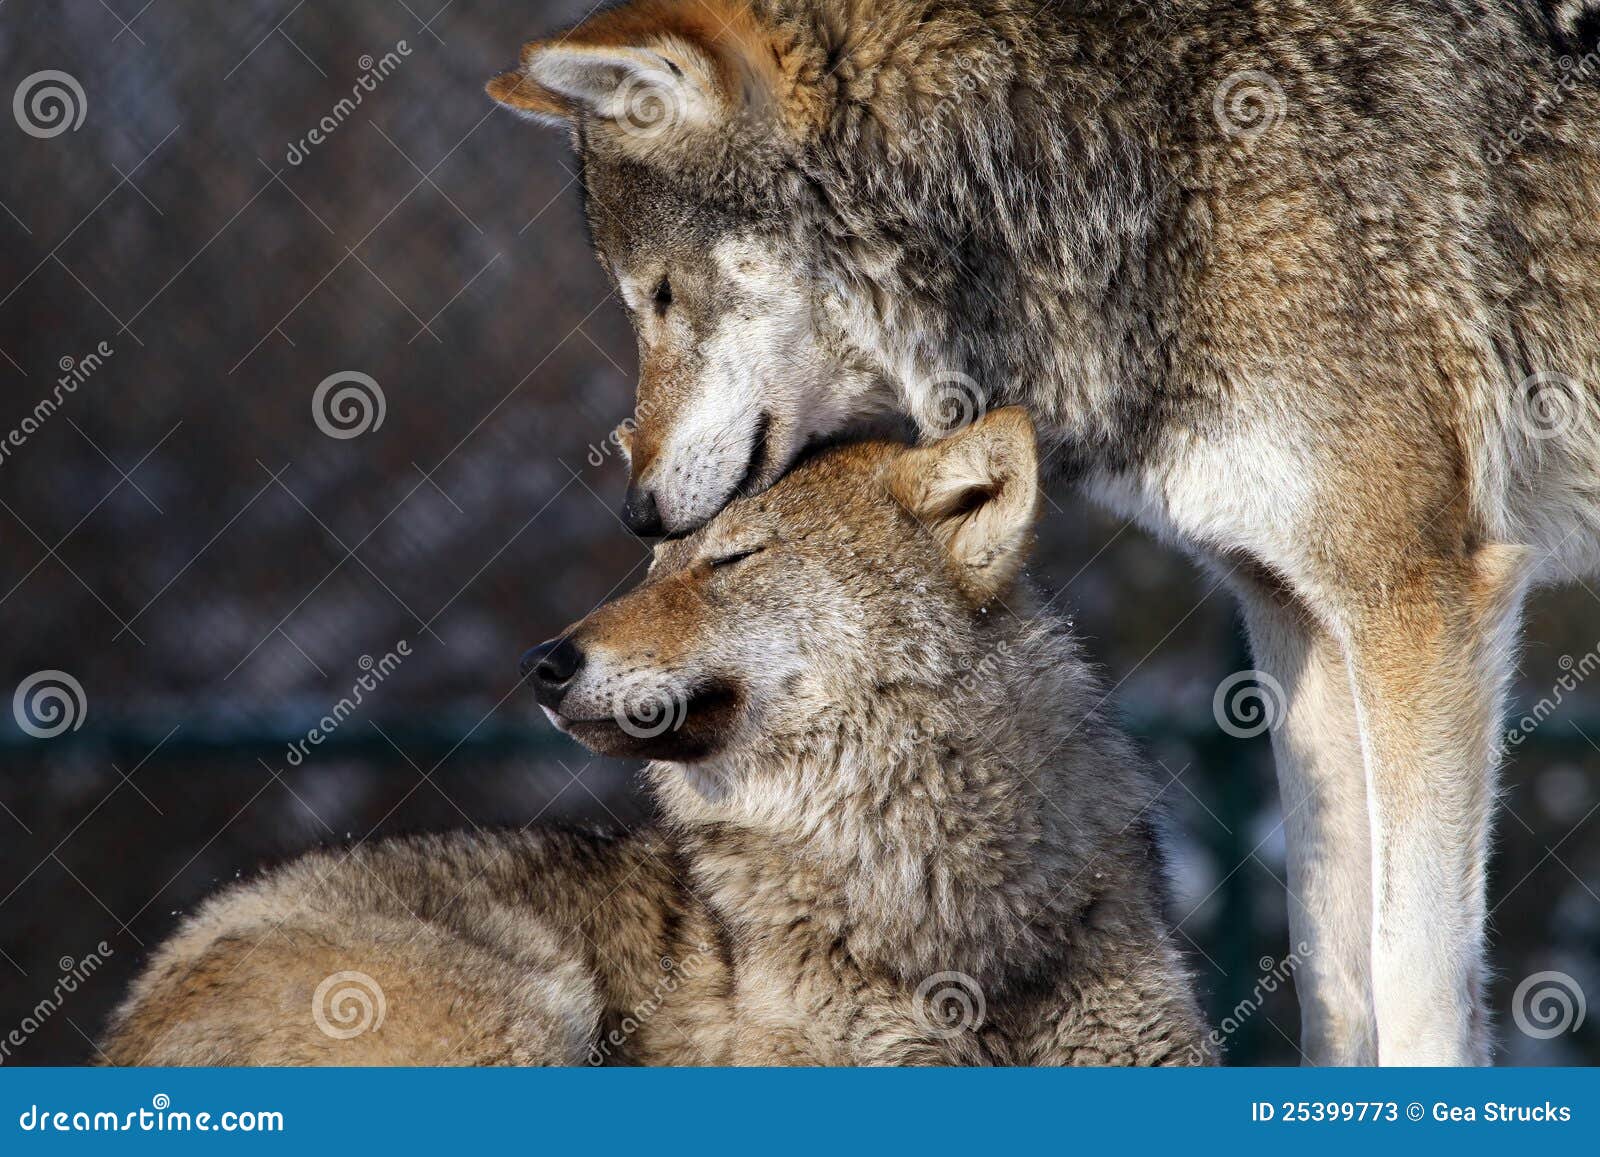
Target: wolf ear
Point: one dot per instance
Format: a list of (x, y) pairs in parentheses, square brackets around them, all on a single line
[(650, 68), (977, 491)]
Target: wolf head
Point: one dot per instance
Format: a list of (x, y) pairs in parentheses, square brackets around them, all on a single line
[(693, 122), (868, 568)]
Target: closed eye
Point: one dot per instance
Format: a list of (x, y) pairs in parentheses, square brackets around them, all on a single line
[(736, 556)]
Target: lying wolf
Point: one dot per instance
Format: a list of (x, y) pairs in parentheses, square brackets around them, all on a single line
[(1309, 287), (893, 829)]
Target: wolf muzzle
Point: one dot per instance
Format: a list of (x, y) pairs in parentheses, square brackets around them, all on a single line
[(549, 668)]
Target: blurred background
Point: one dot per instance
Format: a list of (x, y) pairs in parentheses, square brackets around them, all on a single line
[(199, 570)]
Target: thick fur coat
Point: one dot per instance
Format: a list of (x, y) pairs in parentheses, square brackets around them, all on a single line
[(1308, 287), (895, 829)]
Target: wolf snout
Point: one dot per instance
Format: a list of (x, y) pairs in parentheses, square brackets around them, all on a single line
[(549, 668), (640, 514)]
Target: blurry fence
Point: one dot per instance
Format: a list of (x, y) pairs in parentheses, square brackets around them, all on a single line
[(1237, 947)]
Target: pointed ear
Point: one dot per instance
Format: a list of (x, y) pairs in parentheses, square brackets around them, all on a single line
[(977, 491), (645, 92), (650, 68), (519, 91)]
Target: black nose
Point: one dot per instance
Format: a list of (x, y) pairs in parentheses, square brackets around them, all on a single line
[(549, 667), (640, 514)]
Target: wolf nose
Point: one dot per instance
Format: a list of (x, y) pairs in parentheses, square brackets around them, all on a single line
[(640, 513), (549, 667)]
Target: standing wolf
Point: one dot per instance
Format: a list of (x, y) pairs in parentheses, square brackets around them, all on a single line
[(1310, 287), (892, 833)]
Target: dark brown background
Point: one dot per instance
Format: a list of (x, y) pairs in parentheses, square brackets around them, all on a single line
[(217, 598)]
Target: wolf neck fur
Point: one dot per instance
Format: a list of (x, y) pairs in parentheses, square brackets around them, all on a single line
[(995, 209), (961, 850)]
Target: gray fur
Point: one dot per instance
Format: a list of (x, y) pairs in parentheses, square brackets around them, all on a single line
[(1310, 288), (927, 849)]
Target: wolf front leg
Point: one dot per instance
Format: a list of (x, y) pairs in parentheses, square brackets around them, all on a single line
[(1316, 745), (1429, 661)]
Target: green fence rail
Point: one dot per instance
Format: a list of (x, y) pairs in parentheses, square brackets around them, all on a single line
[(1236, 770)]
